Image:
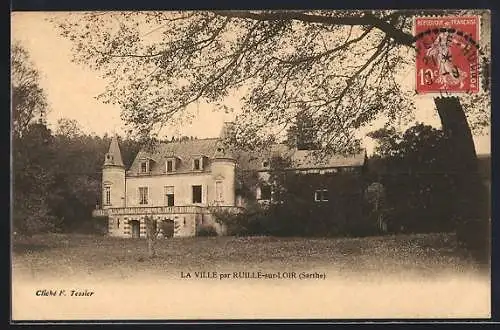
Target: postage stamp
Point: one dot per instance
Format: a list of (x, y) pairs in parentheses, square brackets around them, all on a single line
[(447, 54)]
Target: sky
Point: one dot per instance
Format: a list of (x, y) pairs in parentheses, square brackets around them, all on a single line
[(72, 89)]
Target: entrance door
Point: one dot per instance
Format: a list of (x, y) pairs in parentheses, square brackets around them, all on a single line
[(135, 228)]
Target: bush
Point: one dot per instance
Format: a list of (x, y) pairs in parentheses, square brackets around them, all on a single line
[(252, 221), (206, 231), (91, 226), (292, 219)]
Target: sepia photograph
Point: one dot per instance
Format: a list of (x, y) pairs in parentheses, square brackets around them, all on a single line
[(250, 165)]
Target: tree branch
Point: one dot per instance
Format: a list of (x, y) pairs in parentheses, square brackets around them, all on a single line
[(366, 20)]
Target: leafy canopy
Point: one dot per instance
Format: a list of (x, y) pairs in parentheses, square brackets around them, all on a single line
[(344, 68)]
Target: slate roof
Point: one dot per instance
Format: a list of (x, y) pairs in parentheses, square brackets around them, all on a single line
[(187, 150), (300, 159), (114, 150)]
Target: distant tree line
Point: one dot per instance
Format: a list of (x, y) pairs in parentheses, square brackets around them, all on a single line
[(57, 177)]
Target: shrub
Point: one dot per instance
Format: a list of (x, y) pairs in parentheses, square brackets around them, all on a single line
[(204, 230), (251, 221)]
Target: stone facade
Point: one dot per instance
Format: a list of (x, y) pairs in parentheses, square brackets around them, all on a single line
[(178, 182)]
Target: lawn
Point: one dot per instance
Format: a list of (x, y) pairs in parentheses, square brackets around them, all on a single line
[(392, 276), (67, 255)]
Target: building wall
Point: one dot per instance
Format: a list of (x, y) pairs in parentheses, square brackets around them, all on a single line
[(185, 224), (223, 170), (183, 193), (114, 177)]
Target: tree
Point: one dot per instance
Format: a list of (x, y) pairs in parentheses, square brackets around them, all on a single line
[(425, 186), (302, 133), (33, 148), (152, 231), (79, 159), (69, 128), (28, 98), (342, 66), (33, 180)]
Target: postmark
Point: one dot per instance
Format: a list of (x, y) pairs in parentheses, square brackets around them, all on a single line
[(448, 52)]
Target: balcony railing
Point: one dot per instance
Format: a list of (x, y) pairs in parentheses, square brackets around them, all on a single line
[(190, 209)]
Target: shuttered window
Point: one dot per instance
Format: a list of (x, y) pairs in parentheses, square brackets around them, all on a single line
[(169, 196), (143, 195), (196, 194)]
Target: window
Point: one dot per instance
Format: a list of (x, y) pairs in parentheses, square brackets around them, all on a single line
[(218, 191), (143, 195), (321, 195), (107, 195), (196, 194), (265, 163), (170, 165), (265, 192), (144, 166), (197, 164), (169, 195), (117, 223)]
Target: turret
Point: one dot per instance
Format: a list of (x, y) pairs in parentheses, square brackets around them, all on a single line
[(113, 177), (224, 167)]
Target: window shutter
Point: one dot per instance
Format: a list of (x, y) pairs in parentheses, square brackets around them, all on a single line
[(204, 193)]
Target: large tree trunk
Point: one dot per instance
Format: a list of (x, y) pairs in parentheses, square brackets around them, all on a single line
[(471, 202), (457, 130)]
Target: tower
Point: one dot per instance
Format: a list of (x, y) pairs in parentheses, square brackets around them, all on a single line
[(113, 177), (223, 169)]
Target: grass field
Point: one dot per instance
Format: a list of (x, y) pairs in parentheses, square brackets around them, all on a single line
[(392, 276), (64, 255)]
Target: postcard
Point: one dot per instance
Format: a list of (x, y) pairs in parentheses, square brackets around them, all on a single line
[(251, 165)]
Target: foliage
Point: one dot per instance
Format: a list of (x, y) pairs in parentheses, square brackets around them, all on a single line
[(57, 178), (246, 183), (302, 133), (34, 180), (206, 231), (29, 101), (343, 67), (248, 222), (69, 128), (292, 210), (424, 188)]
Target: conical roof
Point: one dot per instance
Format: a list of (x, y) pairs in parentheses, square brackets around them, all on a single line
[(114, 156), (223, 148)]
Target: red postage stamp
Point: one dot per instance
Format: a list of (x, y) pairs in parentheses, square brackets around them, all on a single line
[(447, 54)]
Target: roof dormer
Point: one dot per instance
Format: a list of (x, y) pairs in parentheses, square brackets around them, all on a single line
[(199, 162), (145, 165), (172, 164)]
